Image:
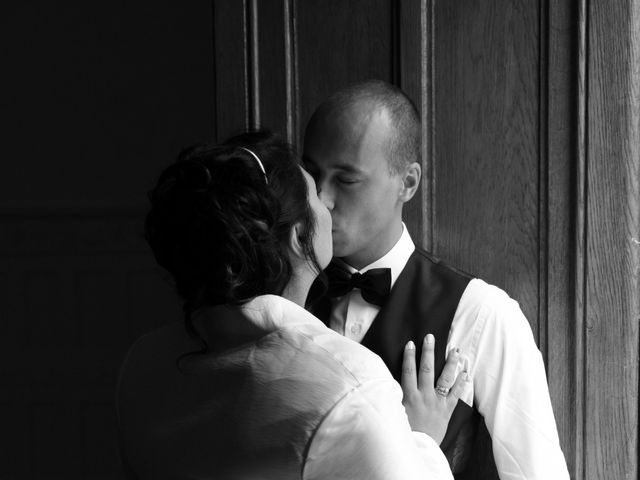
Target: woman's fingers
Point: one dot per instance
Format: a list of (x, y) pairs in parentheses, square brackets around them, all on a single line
[(426, 376), (408, 378), (448, 376), (458, 387)]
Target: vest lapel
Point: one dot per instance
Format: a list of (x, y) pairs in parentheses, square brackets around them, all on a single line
[(410, 313)]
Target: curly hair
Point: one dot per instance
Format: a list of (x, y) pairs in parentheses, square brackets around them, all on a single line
[(221, 227)]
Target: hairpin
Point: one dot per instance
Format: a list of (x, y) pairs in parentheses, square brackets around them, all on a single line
[(259, 163)]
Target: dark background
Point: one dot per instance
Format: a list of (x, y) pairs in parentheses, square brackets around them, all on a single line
[(531, 136), (97, 97)]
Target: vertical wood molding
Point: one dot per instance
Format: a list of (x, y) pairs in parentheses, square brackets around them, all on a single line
[(230, 63), (252, 37), (559, 246), (580, 259), (416, 80), (291, 74), (274, 63), (543, 180), (427, 64)]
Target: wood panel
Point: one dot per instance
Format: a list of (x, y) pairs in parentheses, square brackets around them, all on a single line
[(487, 143), (612, 268), (339, 43)]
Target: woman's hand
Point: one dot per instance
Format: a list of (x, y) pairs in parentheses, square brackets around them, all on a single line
[(429, 409)]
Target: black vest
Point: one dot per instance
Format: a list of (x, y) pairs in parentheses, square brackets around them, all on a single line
[(424, 300)]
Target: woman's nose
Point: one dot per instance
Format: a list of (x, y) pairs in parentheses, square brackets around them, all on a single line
[(326, 197)]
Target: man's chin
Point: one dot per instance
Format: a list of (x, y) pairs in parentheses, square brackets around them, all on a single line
[(341, 250)]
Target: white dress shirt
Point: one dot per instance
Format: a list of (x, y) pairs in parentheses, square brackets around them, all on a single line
[(509, 386), (299, 401)]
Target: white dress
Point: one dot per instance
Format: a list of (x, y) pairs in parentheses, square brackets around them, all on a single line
[(299, 402)]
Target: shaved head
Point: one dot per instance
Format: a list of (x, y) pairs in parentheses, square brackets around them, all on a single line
[(362, 147), (364, 101)]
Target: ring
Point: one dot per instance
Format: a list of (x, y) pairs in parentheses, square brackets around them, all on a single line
[(443, 391)]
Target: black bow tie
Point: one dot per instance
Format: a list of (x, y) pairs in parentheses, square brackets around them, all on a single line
[(374, 284)]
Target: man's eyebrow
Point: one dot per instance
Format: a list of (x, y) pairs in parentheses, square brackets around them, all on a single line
[(347, 168), (343, 167)]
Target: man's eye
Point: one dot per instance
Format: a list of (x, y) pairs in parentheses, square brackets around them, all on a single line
[(347, 181)]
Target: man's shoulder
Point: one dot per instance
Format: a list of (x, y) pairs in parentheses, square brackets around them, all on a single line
[(424, 257), (493, 307), (491, 297), (477, 295), (437, 275)]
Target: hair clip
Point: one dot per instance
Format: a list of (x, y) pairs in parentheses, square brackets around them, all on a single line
[(259, 163)]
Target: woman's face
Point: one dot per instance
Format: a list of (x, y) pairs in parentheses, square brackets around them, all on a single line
[(322, 242)]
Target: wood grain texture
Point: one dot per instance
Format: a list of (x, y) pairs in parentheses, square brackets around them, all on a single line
[(613, 222), (580, 258), (487, 143), (339, 43), (558, 155), (416, 75)]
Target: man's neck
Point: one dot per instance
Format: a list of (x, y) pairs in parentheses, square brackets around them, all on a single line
[(363, 258)]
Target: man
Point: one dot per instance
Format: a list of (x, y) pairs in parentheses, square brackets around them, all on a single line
[(362, 146)]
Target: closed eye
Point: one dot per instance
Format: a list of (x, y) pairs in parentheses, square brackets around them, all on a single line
[(347, 181)]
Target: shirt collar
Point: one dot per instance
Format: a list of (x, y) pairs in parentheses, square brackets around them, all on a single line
[(265, 312), (395, 259)]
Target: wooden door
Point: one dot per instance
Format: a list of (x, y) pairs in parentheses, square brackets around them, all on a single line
[(530, 117)]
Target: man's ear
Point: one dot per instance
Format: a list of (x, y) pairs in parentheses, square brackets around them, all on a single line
[(410, 181)]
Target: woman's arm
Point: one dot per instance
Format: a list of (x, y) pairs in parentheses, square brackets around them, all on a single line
[(367, 435)]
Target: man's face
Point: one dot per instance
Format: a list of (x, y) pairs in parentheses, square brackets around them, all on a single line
[(347, 157)]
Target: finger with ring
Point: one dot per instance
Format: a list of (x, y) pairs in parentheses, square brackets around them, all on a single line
[(443, 391)]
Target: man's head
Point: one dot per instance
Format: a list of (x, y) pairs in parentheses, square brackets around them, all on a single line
[(362, 145)]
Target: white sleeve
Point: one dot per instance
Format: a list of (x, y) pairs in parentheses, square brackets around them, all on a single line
[(511, 391), (366, 435)]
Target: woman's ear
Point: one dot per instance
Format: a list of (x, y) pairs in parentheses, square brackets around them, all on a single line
[(294, 242)]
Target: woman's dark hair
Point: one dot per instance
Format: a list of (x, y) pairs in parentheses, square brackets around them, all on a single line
[(221, 229)]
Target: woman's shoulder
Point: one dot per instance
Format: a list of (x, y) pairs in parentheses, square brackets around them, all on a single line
[(300, 334), (155, 350), (167, 337), (336, 353)]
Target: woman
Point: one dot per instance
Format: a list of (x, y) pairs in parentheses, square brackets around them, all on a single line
[(255, 386)]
